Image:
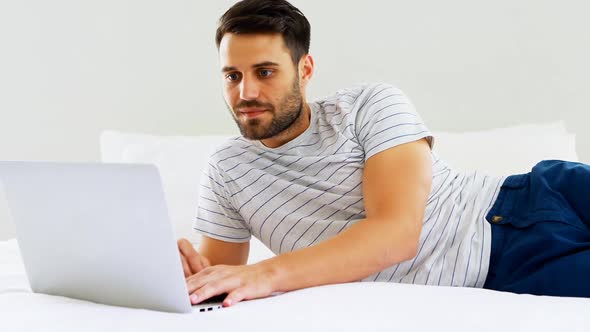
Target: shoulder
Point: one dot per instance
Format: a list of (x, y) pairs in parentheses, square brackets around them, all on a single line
[(361, 95), (232, 148)]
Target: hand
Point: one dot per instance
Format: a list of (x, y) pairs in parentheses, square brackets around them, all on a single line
[(192, 262), (241, 282)]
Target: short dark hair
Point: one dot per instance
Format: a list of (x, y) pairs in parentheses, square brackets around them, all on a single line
[(268, 16)]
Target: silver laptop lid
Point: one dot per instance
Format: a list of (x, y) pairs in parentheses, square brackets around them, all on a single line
[(97, 232)]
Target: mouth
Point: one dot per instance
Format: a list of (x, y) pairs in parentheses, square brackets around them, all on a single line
[(251, 112)]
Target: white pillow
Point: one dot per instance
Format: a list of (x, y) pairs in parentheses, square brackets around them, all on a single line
[(181, 159), (505, 151)]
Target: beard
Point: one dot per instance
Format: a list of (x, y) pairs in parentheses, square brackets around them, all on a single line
[(287, 112)]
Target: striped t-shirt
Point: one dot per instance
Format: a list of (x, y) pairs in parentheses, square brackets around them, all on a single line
[(309, 189)]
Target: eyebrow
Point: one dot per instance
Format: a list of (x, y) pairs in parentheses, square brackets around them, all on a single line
[(258, 65)]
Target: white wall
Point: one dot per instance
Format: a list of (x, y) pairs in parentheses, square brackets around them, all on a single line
[(69, 69)]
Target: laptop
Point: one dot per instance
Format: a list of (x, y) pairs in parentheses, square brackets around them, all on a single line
[(97, 232)]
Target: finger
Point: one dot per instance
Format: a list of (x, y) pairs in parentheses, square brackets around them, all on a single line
[(213, 288), (205, 262), (202, 264), (205, 292), (185, 267), (192, 256), (237, 295), (197, 263), (200, 279), (185, 247)]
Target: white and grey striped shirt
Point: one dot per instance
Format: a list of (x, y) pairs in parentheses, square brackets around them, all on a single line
[(309, 189)]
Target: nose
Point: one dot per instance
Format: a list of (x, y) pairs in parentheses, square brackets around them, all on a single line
[(249, 89)]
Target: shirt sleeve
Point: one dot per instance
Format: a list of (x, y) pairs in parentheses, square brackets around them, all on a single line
[(216, 216), (387, 118)]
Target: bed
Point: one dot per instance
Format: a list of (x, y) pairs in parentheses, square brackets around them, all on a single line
[(342, 307)]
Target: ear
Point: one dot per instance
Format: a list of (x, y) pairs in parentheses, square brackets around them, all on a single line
[(306, 66)]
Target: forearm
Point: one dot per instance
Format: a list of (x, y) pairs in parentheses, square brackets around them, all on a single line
[(365, 248)]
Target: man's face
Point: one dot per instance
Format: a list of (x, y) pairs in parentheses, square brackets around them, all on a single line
[(260, 84)]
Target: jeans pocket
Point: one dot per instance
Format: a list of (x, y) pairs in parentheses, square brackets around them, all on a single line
[(564, 216)]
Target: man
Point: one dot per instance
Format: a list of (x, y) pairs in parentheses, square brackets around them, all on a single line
[(347, 188)]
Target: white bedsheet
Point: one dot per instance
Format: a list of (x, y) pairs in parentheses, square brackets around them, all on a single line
[(345, 307)]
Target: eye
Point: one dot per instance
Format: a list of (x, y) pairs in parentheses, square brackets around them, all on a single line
[(264, 73), (232, 77)]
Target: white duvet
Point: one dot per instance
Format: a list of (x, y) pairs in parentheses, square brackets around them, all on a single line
[(357, 307), (345, 307)]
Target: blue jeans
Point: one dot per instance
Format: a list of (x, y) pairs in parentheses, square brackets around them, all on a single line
[(541, 231)]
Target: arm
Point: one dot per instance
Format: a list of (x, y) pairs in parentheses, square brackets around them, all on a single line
[(396, 185), (214, 206), (222, 252)]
